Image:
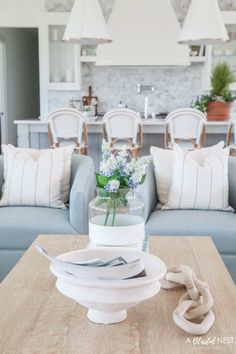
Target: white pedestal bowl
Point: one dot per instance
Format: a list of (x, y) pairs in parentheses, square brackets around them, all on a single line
[(108, 300)]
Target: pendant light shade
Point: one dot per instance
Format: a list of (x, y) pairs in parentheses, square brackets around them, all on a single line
[(203, 24), (86, 24)]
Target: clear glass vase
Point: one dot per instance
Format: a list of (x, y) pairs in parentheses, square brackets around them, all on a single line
[(116, 218)]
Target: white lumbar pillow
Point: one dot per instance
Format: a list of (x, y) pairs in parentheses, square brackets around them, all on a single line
[(199, 183), (33, 177), (67, 153), (163, 167)]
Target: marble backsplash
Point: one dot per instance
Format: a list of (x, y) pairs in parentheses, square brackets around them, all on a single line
[(175, 87)]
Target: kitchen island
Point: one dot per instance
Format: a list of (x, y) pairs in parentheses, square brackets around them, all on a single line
[(34, 133)]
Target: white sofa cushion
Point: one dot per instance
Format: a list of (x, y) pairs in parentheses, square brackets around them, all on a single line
[(199, 183), (163, 167), (67, 152), (34, 177)]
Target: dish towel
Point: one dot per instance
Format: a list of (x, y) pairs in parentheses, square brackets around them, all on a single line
[(193, 313)]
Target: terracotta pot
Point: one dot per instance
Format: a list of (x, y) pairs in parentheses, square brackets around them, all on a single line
[(218, 110)]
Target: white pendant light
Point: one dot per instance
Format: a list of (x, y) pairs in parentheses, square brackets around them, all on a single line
[(86, 24), (203, 24)]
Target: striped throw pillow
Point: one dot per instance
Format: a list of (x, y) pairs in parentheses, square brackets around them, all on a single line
[(199, 184), (67, 151), (33, 179), (163, 167)]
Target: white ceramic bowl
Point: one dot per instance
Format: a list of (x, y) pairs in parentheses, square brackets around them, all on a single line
[(108, 300)]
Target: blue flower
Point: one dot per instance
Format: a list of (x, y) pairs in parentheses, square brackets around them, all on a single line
[(112, 186), (106, 151), (108, 167), (130, 173)]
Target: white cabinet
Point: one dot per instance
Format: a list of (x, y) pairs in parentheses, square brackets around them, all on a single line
[(62, 60)]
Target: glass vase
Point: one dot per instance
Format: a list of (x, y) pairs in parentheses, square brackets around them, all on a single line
[(116, 219)]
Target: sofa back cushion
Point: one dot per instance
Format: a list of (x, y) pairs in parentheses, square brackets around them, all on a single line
[(199, 184), (163, 167), (34, 177), (66, 151)]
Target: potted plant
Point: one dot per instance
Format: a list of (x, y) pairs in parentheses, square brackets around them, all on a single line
[(218, 103), (116, 215)]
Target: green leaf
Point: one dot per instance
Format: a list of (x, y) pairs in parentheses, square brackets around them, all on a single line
[(125, 201), (222, 77), (142, 180), (114, 177), (124, 182), (101, 180), (103, 193), (114, 196)]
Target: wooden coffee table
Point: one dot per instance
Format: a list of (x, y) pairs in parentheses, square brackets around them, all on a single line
[(35, 318)]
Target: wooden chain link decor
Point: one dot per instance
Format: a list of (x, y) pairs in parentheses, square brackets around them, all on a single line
[(193, 313)]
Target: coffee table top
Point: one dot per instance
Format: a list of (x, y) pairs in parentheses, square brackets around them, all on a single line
[(36, 318)]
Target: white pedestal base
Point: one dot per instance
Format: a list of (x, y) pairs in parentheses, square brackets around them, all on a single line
[(106, 317)]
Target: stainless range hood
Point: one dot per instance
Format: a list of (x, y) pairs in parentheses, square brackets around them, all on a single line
[(144, 33)]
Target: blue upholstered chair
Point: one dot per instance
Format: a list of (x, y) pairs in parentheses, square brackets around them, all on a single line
[(19, 226)]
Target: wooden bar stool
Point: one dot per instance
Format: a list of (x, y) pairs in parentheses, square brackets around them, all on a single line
[(186, 126), (122, 128), (231, 132), (66, 127)]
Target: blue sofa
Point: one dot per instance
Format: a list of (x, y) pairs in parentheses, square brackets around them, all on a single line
[(221, 226), (19, 226)]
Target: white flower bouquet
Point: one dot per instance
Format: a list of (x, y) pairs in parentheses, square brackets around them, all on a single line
[(116, 177)]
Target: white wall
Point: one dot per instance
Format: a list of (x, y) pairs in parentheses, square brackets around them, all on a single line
[(15, 13), (22, 76)]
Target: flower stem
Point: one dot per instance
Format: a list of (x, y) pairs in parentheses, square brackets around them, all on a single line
[(114, 214), (107, 216)]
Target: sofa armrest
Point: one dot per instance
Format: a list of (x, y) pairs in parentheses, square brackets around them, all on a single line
[(82, 192), (148, 193), (232, 182), (1, 174)]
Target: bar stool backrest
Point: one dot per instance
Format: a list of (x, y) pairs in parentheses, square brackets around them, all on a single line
[(66, 126), (122, 124), (231, 131), (187, 125)]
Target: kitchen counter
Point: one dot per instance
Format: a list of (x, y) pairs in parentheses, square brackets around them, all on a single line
[(33, 133), (150, 126)]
